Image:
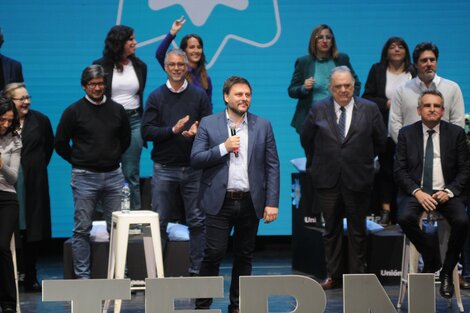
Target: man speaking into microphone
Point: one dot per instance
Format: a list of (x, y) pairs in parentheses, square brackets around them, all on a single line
[(233, 132), (240, 182)]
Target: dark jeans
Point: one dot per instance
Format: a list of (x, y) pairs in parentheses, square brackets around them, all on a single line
[(130, 161), (240, 216), (88, 188), (8, 223), (165, 183)]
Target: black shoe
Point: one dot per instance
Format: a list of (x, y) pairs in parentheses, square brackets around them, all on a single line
[(32, 286), (447, 286), (233, 309)]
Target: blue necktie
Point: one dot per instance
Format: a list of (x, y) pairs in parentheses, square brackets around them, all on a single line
[(342, 125), (428, 163)]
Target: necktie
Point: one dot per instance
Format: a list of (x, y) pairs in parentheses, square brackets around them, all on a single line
[(342, 124), (428, 163)]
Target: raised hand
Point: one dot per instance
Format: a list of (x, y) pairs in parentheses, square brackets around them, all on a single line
[(177, 25)]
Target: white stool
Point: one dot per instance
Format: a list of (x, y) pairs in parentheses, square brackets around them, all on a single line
[(15, 270), (118, 247), (410, 259)]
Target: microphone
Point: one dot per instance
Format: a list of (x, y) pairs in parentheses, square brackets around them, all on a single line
[(233, 132)]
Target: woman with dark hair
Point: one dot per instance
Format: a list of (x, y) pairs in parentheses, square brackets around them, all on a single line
[(32, 186), (126, 76), (394, 69), (10, 153), (193, 46), (310, 79)]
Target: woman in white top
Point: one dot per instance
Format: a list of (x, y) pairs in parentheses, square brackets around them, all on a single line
[(10, 149), (126, 76), (394, 69)]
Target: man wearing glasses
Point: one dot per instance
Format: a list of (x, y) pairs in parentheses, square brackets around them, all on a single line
[(92, 135), (170, 121)]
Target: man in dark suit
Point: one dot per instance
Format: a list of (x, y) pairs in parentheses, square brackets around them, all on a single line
[(240, 182), (10, 70), (433, 184), (342, 135)]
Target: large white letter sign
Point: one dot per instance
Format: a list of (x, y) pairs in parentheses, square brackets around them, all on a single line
[(255, 290)]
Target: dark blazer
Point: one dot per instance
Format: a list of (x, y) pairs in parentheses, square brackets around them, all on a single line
[(351, 162), (38, 143), (305, 68), (12, 71), (408, 168), (374, 90), (263, 163), (140, 70)]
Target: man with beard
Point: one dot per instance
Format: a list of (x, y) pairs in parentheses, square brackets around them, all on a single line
[(403, 107), (237, 153), (92, 135), (170, 120)]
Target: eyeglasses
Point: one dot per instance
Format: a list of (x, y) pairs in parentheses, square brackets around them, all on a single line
[(326, 38), (173, 65), (94, 85), (23, 99)]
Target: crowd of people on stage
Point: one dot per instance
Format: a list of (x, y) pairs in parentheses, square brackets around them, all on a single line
[(225, 166)]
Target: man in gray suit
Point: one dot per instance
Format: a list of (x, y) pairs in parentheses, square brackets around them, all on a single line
[(240, 182), (342, 135)]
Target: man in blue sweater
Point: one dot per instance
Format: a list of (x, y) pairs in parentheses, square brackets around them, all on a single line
[(170, 121)]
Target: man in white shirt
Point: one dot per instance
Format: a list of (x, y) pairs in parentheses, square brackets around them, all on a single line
[(403, 108)]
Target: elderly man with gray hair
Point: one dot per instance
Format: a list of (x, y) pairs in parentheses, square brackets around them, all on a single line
[(342, 135), (92, 135), (170, 121)]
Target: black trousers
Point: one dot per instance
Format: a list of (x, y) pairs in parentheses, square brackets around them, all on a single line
[(8, 223), (336, 203), (240, 216), (453, 211)]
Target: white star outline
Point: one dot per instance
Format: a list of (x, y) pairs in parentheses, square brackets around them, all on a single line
[(226, 38)]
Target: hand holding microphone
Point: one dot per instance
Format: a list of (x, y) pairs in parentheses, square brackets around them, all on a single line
[(232, 144)]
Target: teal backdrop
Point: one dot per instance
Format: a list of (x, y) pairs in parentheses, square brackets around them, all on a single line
[(259, 40)]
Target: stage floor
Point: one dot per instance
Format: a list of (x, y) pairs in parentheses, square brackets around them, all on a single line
[(270, 261)]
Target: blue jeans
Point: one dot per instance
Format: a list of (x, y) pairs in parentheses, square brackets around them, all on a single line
[(131, 161), (88, 187), (165, 182)]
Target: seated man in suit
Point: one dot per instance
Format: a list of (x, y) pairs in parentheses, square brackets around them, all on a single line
[(431, 169)]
